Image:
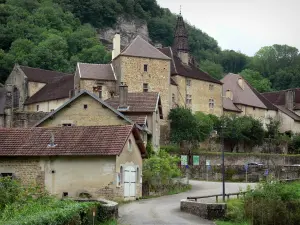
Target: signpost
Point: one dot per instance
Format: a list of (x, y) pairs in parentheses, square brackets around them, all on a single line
[(184, 160), (196, 161), (207, 168)]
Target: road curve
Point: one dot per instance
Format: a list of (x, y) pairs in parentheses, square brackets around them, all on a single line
[(166, 210)]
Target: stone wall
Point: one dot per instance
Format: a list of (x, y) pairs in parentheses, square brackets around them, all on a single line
[(28, 171), (27, 119), (210, 211)]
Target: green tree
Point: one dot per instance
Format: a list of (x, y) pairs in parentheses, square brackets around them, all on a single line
[(233, 62), (213, 69), (256, 80)]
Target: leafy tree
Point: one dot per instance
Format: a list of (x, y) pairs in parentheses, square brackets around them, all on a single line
[(272, 130), (233, 62), (257, 80), (185, 128), (213, 69), (237, 130), (161, 30), (159, 170)]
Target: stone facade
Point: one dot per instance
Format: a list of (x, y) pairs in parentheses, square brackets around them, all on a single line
[(201, 92), (47, 106), (108, 87), (27, 170), (72, 175), (157, 76), (75, 113)]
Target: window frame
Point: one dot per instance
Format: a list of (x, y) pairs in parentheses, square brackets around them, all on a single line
[(37, 108), (188, 99), (188, 82), (145, 67), (145, 87), (211, 103)]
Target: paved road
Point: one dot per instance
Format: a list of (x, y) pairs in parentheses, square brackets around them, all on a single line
[(166, 210)]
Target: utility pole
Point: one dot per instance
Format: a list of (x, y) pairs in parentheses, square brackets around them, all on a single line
[(223, 164)]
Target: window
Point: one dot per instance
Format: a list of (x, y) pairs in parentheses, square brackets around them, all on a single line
[(121, 176), (145, 67), (6, 175), (66, 124), (16, 97), (188, 82), (211, 103), (37, 108), (85, 106), (145, 87), (188, 99), (173, 98), (211, 87), (98, 90), (129, 145)]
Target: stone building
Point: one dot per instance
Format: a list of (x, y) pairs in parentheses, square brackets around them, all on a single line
[(288, 105), (102, 161), (30, 93)]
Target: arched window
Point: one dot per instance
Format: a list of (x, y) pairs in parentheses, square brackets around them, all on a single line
[(16, 97), (129, 145)]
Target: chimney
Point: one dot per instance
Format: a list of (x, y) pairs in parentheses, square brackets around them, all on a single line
[(116, 45), (241, 83), (52, 143), (123, 105), (229, 94), (289, 99)]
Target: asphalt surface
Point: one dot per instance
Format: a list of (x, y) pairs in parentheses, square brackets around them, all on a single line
[(166, 210)]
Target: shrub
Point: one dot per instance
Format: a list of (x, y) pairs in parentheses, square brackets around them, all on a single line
[(235, 210)]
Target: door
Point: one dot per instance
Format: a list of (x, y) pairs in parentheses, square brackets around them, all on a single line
[(129, 182)]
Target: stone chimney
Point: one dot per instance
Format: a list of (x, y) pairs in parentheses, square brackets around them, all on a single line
[(289, 99), (229, 94), (241, 83), (123, 105), (116, 45)]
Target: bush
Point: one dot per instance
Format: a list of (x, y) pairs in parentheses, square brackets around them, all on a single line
[(235, 210)]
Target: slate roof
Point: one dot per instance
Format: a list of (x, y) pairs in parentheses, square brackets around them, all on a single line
[(40, 75), (139, 102), (247, 96), (139, 119), (70, 141), (190, 71), (96, 71), (278, 97), (142, 48), (59, 88), (229, 106)]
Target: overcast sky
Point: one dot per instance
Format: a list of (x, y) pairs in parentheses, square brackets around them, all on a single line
[(243, 25)]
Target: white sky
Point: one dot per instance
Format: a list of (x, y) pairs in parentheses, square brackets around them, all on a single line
[(243, 25)]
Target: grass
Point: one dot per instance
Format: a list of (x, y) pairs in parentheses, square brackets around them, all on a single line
[(110, 222)]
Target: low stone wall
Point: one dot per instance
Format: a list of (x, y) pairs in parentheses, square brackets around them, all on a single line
[(210, 211), (107, 210)]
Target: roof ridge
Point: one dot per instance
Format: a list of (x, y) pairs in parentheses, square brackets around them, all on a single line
[(54, 71), (94, 63)]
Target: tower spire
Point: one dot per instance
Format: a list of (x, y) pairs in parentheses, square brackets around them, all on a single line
[(181, 36)]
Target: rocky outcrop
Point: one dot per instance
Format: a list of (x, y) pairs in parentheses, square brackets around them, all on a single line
[(128, 30)]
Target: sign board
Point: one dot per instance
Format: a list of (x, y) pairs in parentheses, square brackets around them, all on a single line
[(266, 172), (184, 160), (207, 162), (196, 160), (246, 167)]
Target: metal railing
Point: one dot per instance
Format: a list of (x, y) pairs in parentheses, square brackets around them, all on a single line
[(219, 195)]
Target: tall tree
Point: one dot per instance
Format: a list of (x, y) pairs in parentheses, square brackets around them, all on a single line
[(214, 69), (257, 80), (233, 62)]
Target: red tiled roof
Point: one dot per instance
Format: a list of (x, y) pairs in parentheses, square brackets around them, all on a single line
[(190, 71), (40, 75), (138, 102), (59, 88), (96, 71), (70, 141)]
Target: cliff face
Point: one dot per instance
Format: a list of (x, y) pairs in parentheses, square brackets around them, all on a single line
[(128, 30)]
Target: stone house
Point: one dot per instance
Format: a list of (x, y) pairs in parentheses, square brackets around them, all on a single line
[(145, 109), (102, 161), (86, 109), (288, 105), (240, 98), (31, 93), (190, 86)]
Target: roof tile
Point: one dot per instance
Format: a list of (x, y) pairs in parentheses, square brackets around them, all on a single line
[(96, 71)]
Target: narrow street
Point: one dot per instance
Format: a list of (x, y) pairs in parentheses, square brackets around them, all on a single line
[(166, 210)]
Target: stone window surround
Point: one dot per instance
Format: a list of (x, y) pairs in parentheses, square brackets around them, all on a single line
[(188, 99), (145, 87), (188, 82), (145, 67)]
